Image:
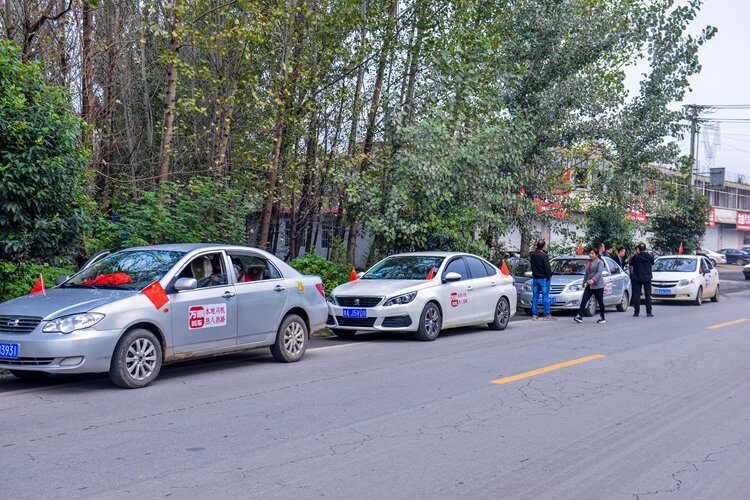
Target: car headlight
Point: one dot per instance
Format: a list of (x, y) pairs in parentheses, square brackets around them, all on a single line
[(576, 287), (74, 322), (526, 287), (685, 282), (401, 299)]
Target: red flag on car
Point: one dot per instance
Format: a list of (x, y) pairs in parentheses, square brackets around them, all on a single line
[(431, 274), (504, 269), (39, 286), (353, 275), (580, 249), (156, 294), (680, 250)]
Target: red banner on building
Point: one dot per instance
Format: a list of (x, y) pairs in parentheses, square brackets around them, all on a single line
[(711, 217), (743, 221)]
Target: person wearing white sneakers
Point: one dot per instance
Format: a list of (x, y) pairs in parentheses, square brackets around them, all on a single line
[(593, 284)]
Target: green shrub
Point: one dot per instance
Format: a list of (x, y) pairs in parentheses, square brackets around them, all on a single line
[(19, 279), (333, 273)]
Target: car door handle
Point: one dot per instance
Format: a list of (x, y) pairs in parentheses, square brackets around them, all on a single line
[(468, 287), (492, 283), (228, 295), (279, 289)]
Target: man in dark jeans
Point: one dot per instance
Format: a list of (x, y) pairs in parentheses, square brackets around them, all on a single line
[(640, 276), (541, 272)]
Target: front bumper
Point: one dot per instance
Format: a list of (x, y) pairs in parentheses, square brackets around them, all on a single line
[(398, 318), (563, 301), (83, 351), (687, 292)]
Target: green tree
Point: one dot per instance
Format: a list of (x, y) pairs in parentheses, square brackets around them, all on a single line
[(42, 163), (606, 223)]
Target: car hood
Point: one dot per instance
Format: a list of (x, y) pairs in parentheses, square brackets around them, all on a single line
[(61, 301), (387, 288), (672, 276), (564, 279)]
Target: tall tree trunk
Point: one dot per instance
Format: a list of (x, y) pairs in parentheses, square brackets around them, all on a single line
[(170, 99), (219, 163), (87, 71), (385, 51)]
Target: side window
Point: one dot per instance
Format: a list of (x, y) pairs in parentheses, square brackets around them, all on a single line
[(704, 266), (208, 270), (613, 269), (249, 268), (457, 266), (491, 271), (708, 264), (476, 268)]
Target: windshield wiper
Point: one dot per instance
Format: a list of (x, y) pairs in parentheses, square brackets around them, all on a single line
[(74, 285)]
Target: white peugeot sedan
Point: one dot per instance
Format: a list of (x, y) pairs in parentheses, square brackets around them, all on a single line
[(423, 293), (686, 278)]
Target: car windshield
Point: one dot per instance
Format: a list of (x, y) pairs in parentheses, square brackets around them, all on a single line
[(675, 265), (404, 267), (568, 266), (125, 270)]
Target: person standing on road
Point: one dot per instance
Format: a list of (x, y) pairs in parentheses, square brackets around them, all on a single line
[(600, 249), (607, 251), (619, 257), (640, 276), (593, 285), (541, 274)]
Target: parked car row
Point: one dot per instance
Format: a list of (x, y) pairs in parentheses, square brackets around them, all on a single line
[(129, 312), (734, 256)]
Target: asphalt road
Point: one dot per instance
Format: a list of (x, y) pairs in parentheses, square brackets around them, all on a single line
[(645, 408)]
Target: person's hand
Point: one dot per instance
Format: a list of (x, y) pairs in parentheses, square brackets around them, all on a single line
[(591, 282)]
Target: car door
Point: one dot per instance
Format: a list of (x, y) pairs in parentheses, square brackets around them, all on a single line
[(456, 303), (483, 292), (710, 277), (614, 284), (206, 317), (261, 296)]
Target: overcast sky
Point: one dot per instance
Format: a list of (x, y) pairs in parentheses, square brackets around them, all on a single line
[(725, 79)]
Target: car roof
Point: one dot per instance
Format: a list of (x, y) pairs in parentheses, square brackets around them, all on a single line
[(432, 254), (582, 257), (189, 247), (678, 256)]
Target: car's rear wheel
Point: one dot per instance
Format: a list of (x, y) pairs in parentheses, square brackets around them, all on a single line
[(291, 340), (699, 297), (430, 323), (502, 315), (31, 376), (137, 359), (715, 298), (624, 303), (590, 307), (344, 334)]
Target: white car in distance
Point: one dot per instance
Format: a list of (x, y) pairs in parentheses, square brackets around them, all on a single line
[(423, 293), (685, 278)]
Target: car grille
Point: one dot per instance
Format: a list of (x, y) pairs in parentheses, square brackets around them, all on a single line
[(555, 289), (664, 284), (18, 324), (358, 322), (358, 301), (27, 361)]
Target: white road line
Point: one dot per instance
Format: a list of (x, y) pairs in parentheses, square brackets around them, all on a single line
[(338, 346)]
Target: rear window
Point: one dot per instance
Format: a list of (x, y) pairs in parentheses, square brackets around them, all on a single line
[(476, 267)]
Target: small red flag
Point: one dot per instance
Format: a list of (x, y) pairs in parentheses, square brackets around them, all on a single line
[(566, 178), (39, 286), (431, 274), (156, 294), (504, 269), (580, 249), (680, 250), (353, 275)]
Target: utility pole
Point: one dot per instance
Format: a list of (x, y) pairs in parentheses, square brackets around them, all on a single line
[(692, 111)]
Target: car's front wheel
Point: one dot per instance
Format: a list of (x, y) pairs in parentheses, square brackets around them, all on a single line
[(715, 298), (623, 305), (502, 315), (137, 359), (291, 340), (430, 323), (699, 297)]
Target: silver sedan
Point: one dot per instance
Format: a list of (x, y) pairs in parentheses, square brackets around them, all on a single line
[(133, 310), (566, 286)]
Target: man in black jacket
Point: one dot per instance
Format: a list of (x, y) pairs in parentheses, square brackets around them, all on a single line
[(640, 275), (541, 272)]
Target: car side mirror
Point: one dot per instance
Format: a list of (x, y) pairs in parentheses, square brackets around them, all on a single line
[(60, 280), (183, 284), (605, 273), (360, 274), (451, 277), (527, 274)]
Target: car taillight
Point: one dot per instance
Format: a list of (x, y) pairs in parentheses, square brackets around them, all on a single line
[(321, 289)]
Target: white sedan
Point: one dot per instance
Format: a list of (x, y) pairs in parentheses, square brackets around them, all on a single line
[(423, 293), (685, 277)]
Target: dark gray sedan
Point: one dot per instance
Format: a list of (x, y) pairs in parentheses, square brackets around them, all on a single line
[(133, 310)]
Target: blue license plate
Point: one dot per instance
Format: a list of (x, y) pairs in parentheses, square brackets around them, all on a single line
[(661, 291), (355, 313), (8, 350), (552, 300)]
